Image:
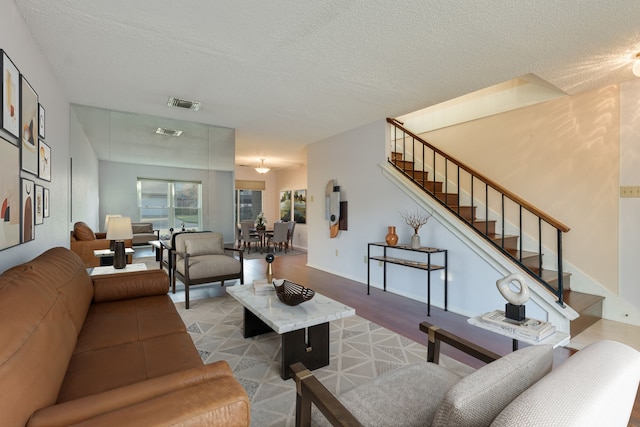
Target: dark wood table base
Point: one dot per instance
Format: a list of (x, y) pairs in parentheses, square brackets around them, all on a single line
[(308, 345)]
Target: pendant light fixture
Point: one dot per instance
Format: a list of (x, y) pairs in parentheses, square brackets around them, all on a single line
[(262, 168)]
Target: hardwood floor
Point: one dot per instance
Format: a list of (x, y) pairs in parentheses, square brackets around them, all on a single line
[(399, 314)]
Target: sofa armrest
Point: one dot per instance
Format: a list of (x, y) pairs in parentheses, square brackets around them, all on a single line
[(136, 284), (207, 395)]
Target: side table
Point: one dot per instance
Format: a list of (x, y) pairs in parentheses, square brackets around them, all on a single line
[(106, 255), (109, 269), (507, 329)]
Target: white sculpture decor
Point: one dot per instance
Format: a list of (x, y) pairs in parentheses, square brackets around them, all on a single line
[(514, 309)]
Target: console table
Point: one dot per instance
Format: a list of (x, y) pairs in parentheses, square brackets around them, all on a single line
[(427, 266)]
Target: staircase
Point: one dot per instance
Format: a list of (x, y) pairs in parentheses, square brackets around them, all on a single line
[(429, 170)]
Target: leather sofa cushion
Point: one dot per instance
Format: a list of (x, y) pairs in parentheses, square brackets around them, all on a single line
[(126, 364), (83, 232)]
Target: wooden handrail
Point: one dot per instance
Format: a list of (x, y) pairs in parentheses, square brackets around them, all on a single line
[(525, 204)]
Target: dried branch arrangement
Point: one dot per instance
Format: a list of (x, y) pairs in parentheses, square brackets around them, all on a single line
[(416, 219)]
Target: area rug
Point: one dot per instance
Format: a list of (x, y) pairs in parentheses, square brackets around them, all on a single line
[(359, 351)]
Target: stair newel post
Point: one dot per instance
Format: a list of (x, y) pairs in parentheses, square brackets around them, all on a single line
[(473, 217)]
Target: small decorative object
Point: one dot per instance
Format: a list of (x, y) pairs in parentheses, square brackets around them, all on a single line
[(514, 309), (291, 293), (415, 220), (269, 258), (261, 221), (391, 237)]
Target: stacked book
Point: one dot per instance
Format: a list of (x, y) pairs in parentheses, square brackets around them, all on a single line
[(529, 329), (262, 287)]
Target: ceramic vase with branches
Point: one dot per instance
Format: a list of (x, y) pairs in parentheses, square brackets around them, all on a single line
[(415, 220)]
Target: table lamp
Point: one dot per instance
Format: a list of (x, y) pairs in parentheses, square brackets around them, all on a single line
[(119, 230)]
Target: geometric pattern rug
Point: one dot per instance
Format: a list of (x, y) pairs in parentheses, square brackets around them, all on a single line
[(359, 351)]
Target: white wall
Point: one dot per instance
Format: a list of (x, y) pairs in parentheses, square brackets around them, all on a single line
[(353, 159), (118, 192), (18, 43), (629, 216)]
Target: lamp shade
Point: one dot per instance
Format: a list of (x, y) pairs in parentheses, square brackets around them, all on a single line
[(119, 228), (107, 218)]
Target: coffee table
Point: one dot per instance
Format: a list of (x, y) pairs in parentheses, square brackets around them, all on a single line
[(304, 328)]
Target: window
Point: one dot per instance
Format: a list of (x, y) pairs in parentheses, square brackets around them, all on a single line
[(170, 204), (248, 200)]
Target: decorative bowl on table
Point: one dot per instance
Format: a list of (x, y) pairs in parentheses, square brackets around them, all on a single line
[(291, 293)]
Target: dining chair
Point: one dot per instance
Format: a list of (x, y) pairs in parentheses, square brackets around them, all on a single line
[(280, 236), (248, 236), (292, 227)]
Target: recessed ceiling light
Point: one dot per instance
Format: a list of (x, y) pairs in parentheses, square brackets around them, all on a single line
[(169, 132), (183, 103)]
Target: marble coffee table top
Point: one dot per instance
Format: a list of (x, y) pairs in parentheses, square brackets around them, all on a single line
[(284, 318)]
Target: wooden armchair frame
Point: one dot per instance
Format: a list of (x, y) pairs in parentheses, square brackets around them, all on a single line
[(310, 390)]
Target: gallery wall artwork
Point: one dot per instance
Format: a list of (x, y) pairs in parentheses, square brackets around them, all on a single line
[(285, 205), (44, 161), (39, 204), (300, 206), (29, 126), (9, 194), (24, 203), (28, 206), (45, 198), (10, 96)]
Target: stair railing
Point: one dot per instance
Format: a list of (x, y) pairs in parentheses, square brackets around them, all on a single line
[(510, 205)]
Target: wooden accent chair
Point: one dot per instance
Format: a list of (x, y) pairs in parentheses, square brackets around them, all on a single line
[(201, 258)]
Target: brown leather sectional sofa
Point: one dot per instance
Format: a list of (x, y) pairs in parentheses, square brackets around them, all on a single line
[(103, 350)]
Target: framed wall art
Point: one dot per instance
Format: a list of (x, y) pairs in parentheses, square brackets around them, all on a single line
[(10, 96), (44, 161), (40, 121), (285, 205), (39, 204), (300, 206), (9, 194), (29, 126), (28, 203), (45, 198)]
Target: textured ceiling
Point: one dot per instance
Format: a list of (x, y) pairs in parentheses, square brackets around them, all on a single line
[(286, 73)]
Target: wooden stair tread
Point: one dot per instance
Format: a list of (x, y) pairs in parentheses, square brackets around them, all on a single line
[(580, 301)]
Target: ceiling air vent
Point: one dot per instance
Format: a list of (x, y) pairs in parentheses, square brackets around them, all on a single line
[(183, 103), (169, 132)]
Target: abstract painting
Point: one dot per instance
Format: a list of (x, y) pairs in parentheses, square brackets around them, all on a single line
[(300, 206), (45, 198), (285, 205), (10, 96), (39, 203), (44, 161), (28, 203), (9, 194), (40, 121), (29, 128)]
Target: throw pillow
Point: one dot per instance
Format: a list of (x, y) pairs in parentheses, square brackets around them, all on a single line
[(477, 399), (204, 244), (83, 232)]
